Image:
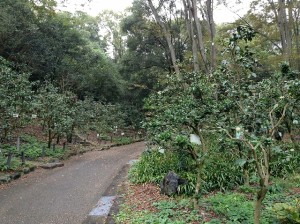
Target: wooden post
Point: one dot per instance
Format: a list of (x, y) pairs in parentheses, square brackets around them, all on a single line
[(23, 158), (64, 146), (18, 143), (53, 147), (9, 159), (43, 151)]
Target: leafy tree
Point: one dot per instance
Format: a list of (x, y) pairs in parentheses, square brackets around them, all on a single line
[(16, 98), (182, 109), (56, 111), (260, 108)]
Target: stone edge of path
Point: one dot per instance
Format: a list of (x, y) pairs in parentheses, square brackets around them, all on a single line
[(7, 178), (51, 165), (115, 189), (106, 147)]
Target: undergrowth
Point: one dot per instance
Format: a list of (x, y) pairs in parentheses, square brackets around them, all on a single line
[(174, 211)]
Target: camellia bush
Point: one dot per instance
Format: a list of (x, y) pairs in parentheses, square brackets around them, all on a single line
[(15, 98), (235, 117)]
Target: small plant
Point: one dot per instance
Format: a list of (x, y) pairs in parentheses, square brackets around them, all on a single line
[(14, 164), (123, 140), (235, 207), (287, 212)]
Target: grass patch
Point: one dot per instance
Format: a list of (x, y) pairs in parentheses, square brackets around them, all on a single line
[(123, 140), (175, 211)]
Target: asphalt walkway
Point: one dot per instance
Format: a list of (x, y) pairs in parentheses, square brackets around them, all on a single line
[(65, 195)]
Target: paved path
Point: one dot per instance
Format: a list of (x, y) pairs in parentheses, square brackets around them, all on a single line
[(67, 194)]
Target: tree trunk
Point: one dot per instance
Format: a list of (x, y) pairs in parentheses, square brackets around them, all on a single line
[(200, 164), (57, 139), (192, 37), (284, 29), (291, 134), (296, 32), (198, 186), (258, 204), (212, 30), (69, 137), (289, 27), (49, 138), (23, 158), (199, 34), (167, 35)]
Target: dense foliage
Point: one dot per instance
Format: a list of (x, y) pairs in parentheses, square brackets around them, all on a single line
[(219, 102)]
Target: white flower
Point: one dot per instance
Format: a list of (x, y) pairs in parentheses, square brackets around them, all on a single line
[(238, 129)]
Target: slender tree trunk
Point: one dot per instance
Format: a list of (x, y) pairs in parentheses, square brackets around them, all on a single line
[(212, 29), (57, 139), (297, 39), (167, 35), (200, 164), (198, 184), (199, 34), (290, 33), (296, 31), (192, 37), (49, 138)]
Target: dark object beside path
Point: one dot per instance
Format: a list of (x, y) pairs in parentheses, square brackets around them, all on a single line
[(170, 183)]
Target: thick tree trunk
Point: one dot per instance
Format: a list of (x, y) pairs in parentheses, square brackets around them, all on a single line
[(284, 29), (263, 170), (258, 204), (167, 35)]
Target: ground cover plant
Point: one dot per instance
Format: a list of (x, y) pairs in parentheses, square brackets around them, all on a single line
[(144, 204)]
